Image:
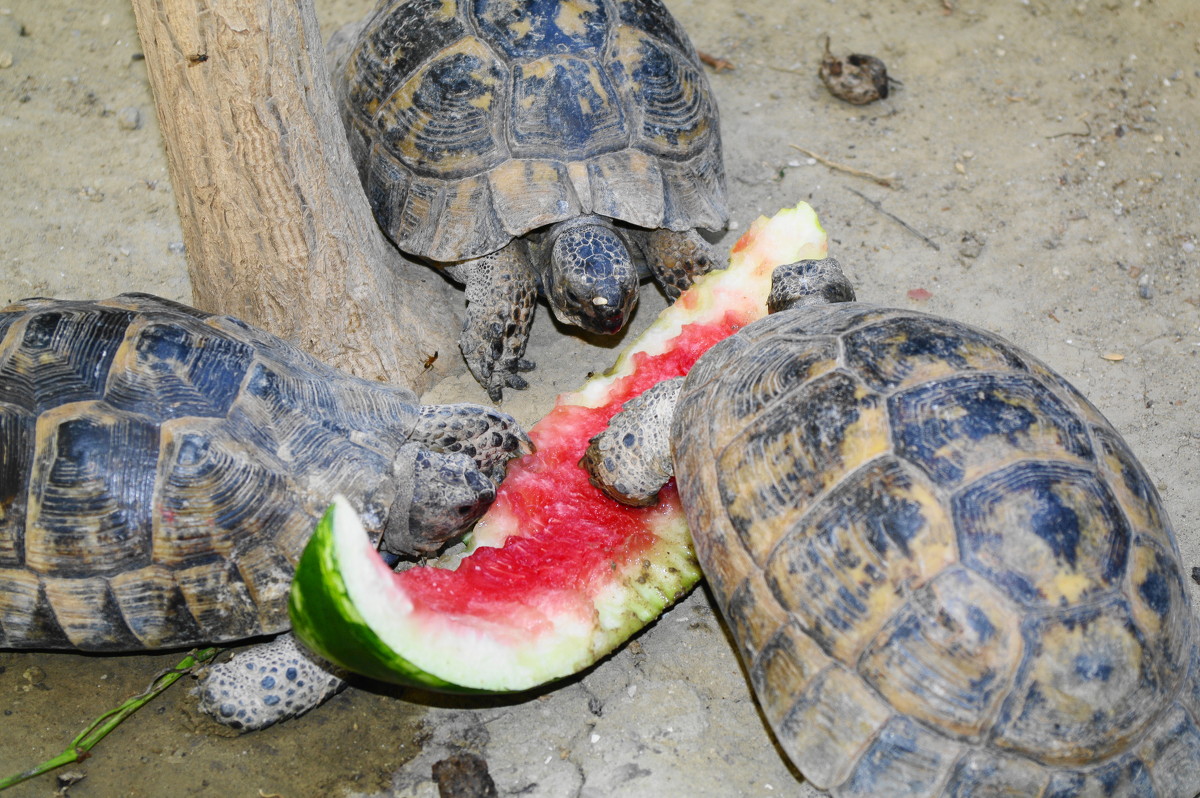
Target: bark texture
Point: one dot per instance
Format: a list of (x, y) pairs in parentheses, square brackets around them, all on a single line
[(277, 228)]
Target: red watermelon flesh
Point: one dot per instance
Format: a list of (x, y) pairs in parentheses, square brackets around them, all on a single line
[(559, 574)]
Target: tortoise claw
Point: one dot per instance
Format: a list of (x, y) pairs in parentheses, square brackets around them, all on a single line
[(501, 377)]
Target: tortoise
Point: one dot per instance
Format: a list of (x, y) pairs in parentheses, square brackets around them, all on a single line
[(945, 571), (566, 144), (162, 468)]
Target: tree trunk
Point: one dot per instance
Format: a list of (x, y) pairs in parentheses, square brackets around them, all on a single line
[(277, 227)]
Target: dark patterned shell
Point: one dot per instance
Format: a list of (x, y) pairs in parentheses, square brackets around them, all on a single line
[(161, 469), (945, 570), (475, 121)]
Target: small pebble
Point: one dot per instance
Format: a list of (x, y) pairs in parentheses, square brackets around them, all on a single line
[(970, 245), (6, 59), (34, 676), (1145, 289), (463, 775), (67, 778), (129, 118)]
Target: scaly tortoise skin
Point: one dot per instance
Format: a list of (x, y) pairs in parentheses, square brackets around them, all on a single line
[(590, 122), (161, 470), (945, 570)]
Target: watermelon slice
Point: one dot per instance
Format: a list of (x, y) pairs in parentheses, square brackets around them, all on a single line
[(559, 574)]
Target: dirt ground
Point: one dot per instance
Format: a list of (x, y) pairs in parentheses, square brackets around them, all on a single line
[(1043, 181)]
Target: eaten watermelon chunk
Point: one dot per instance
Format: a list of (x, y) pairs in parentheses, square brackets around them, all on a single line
[(559, 574)]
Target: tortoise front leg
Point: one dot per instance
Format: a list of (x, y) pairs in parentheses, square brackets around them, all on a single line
[(438, 497), (446, 475), (501, 294), (631, 460), (676, 259), (488, 436), (267, 683)]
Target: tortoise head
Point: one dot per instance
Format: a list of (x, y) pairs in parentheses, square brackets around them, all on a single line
[(808, 282), (591, 280)]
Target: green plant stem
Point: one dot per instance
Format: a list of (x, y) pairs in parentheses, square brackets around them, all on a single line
[(101, 726)]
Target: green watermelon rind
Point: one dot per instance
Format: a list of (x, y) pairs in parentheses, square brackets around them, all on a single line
[(336, 612), (323, 609), (348, 607)]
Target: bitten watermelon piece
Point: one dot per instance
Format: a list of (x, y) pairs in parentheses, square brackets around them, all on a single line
[(559, 574)]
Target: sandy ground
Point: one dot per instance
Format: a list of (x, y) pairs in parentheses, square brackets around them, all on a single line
[(1042, 154)]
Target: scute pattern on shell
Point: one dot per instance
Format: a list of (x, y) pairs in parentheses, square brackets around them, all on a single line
[(161, 469), (943, 567), (475, 121)]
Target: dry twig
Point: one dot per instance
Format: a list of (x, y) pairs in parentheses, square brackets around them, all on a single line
[(1086, 133), (886, 182), (879, 207), (717, 63)]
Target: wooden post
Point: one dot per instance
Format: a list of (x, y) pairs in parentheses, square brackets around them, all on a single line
[(277, 228)]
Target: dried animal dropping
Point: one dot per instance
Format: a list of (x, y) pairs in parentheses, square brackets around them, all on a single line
[(857, 79)]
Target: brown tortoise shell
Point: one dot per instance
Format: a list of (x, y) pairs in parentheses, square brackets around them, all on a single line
[(475, 122), (161, 470), (945, 570)]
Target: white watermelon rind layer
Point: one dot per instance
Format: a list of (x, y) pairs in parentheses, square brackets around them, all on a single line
[(347, 606)]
